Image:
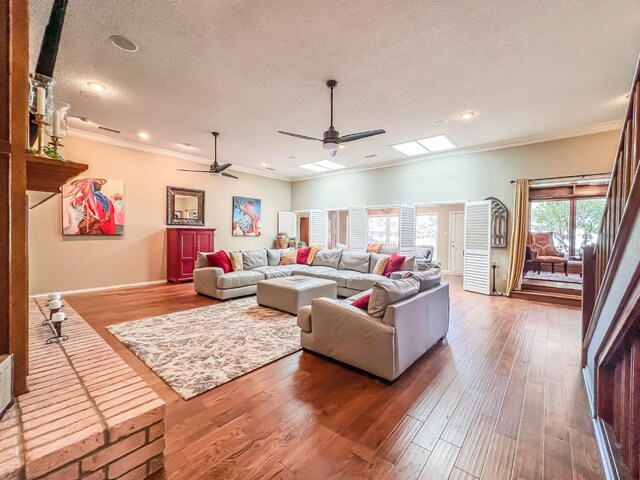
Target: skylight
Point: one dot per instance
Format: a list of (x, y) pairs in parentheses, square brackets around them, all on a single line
[(410, 148), (329, 164), (313, 167), (438, 143)]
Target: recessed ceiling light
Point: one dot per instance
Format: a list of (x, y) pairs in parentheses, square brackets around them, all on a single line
[(185, 145), (313, 167), (466, 115), (292, 156), (371, 156), (84, 119), (263, 165), (438, 122), (410, 148), (143, 135), (330, 165), (438, 143), (96, 87), (123, 43), (88, 94)]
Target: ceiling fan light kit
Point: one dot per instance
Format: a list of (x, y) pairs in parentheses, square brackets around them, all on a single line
[(331, 139), (215, 168)]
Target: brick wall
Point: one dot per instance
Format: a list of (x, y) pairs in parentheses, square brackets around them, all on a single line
[(87, 415)]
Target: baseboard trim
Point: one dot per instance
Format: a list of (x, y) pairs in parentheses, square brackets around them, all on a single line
[(97, 289), (600, 432), (451, 272)]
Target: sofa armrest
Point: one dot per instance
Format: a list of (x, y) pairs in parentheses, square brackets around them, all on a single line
[(398, 275), (205, 279)]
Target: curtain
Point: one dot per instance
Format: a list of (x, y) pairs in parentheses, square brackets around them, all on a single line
[(518, 241)]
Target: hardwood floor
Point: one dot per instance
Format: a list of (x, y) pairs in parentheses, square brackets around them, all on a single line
[(501, 398)]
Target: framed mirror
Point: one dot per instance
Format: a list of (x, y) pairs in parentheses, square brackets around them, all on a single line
[(185, 206)]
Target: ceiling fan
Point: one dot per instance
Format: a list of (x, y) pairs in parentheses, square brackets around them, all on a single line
[(332, 140), (215, 168)]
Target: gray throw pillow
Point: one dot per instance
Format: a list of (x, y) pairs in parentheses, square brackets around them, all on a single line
[(428, 279), (254, 258), (409, 264), (327, 258), (357, 262), (273, 257), (202, 260), (384, 294)]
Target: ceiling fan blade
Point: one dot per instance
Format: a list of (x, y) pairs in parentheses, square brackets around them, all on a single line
[(220, 168), (304, 137), (224, 174), (333, 153), (357, 136), (199, 171)]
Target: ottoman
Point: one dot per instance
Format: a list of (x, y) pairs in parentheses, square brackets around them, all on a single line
[(290, 293)]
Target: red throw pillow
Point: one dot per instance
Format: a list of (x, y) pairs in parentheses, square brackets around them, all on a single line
[(221, 260), (362, 302), (396, 262), (303, 255)]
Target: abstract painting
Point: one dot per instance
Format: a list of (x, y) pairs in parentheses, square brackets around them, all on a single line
[(93, 206), (247, 217)]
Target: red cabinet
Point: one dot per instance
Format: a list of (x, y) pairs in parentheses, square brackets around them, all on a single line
[(183, 245)]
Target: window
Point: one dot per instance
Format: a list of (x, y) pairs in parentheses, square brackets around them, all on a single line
[(383, 229), (427, 231), (574, 221), (552, 216)]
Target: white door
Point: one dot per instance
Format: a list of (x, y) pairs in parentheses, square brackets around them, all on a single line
[(287, 223), (357, 229), (456, 242), (477, 246), (407, 230), (318, 228)]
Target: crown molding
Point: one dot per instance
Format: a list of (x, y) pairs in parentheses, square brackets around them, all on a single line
[(117, 142), (517, 142)]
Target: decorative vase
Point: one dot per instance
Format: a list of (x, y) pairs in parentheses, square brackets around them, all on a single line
[(282, 240)]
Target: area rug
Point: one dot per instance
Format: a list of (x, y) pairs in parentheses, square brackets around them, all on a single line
[(554, 277), (196, 350)]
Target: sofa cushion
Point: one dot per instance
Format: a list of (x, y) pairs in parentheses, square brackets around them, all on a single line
[(396, 262), (357, 262), (381, 265), (428, 278), (273, 257), (237, 262), (386, 293), (339, 276), (241, 278), (327, 258), (289, 257), (201, 259), (254, 258), (312, 254), (311, 271), (274, 272), (303, 255), (364, 281), (362, 302), (221, 260)]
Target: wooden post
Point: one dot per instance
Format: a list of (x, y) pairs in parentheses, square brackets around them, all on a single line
[(588, 291), (14, 267)]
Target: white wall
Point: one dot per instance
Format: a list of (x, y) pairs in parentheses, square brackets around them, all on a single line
[(457, 178)]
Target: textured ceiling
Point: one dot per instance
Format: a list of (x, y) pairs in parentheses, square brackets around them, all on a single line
[(248, 68)]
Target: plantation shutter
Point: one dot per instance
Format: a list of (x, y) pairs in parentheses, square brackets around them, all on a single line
[(357, 229), (407, 230), (477, 246), (318, 228), (287, 223)]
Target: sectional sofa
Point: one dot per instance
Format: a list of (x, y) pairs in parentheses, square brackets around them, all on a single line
[(352, 272)]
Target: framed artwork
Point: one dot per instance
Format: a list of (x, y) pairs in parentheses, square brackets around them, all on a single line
[(247, 217), (93, 206)]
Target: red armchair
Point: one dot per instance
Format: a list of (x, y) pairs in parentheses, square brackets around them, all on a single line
[(543, 251)]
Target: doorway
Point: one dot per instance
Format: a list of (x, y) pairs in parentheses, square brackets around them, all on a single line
[(456, 244)]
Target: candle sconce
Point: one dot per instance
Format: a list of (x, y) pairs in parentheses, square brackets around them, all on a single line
[(494, 292), (57, 130), (56, 326), (53, 309), (40, 105)]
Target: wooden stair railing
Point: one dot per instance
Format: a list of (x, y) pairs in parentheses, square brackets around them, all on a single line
[(611, 308)]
